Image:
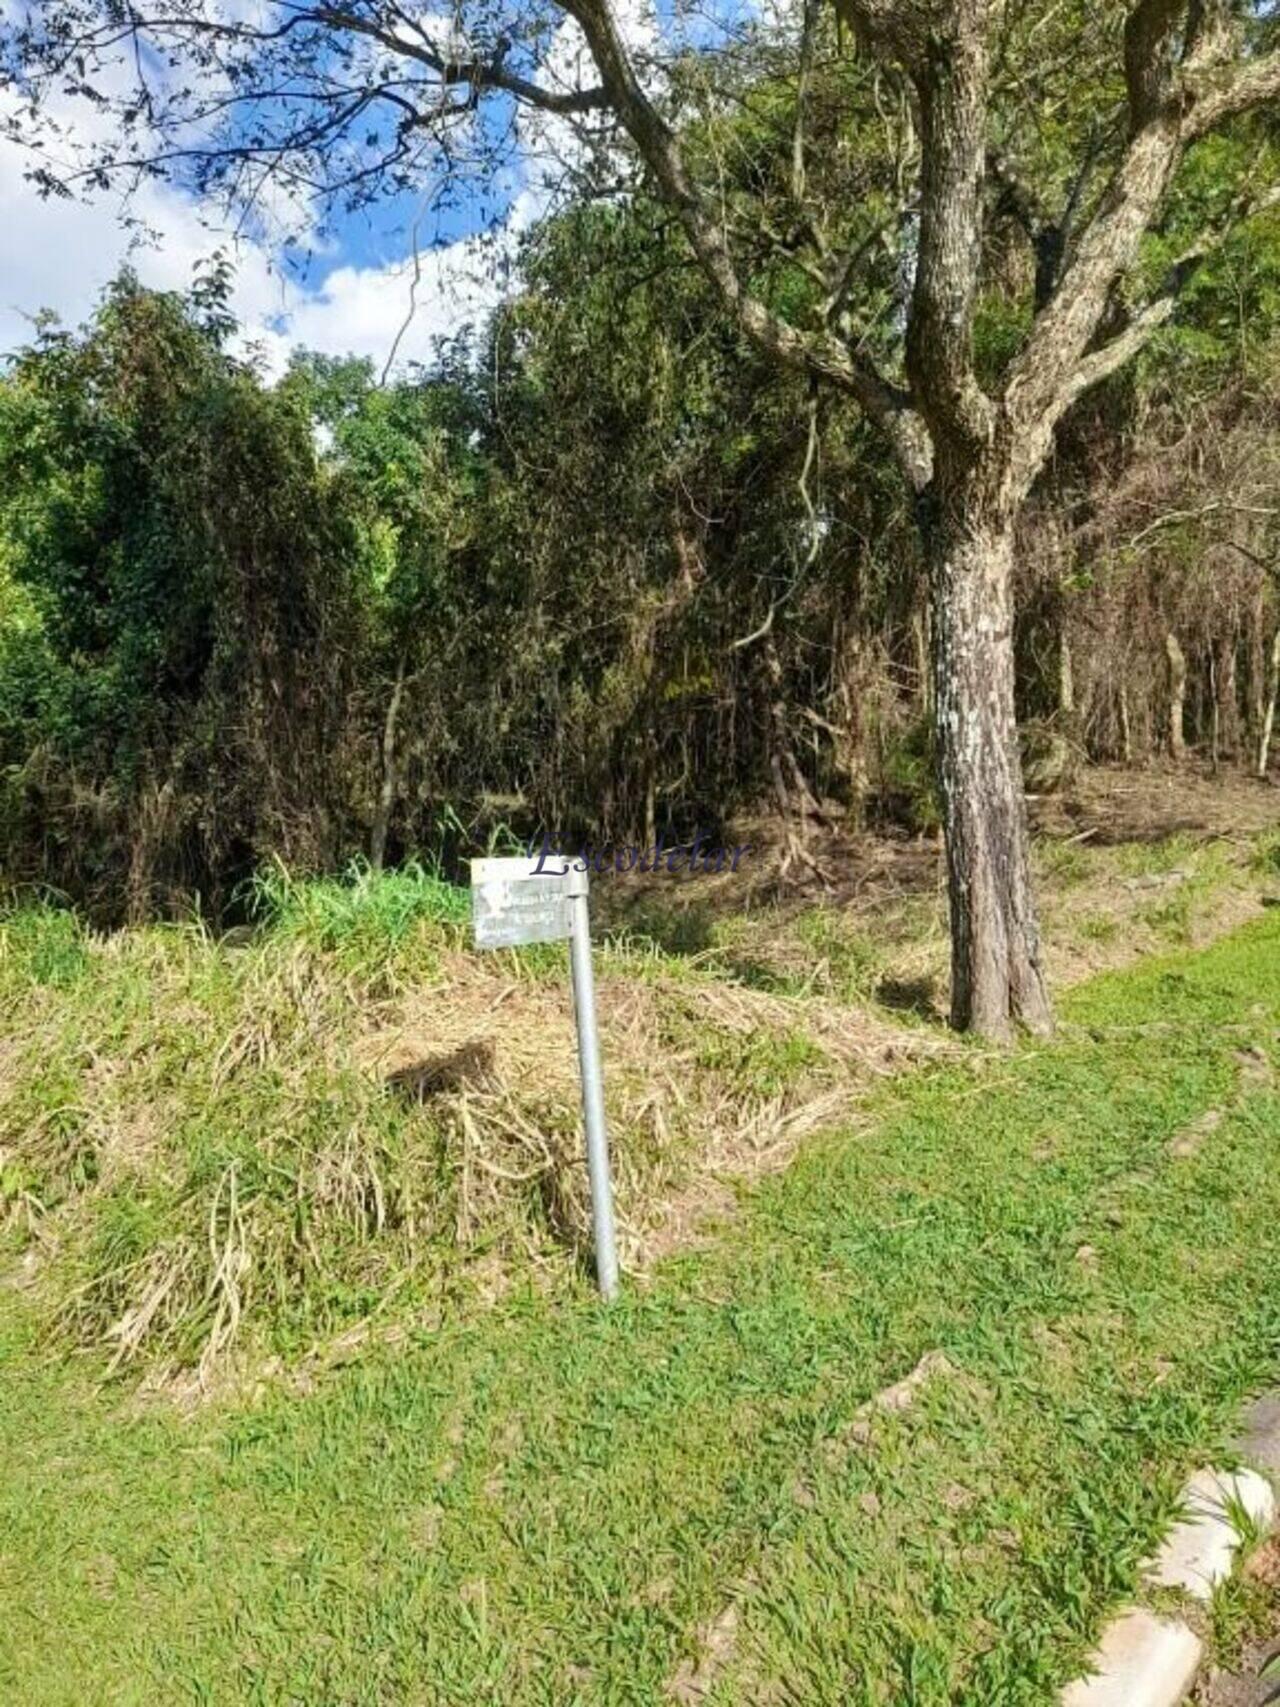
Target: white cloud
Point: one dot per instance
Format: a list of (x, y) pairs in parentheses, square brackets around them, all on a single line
[(61, 254), (375, 311)]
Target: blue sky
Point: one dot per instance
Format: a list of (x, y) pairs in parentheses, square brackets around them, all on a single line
[(344, 288)]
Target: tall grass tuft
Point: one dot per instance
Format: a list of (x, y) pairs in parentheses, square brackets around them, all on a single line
[(362, 915)]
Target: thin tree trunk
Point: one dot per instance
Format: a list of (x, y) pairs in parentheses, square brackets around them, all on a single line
[(1070, 720), (924, 672), (1228, 699), (1177, 695), (997, 982), (1269, 720), (796, 803), (1126, 726), (1258, 664), (387, 791)]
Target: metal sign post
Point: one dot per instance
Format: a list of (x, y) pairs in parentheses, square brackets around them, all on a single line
[(512, 902), (584, 1013)]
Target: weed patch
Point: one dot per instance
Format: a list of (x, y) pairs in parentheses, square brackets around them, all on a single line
[(243, 1150)]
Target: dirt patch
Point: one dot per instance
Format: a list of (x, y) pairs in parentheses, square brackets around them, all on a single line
[(1189, 1141), (1264, 1567), (1113, 804), (1254, 1073), (891, 1401), (696, 1677), (1103, 806), (1100, 909)]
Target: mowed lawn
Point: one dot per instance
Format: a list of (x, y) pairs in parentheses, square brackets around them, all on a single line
[(683, 1497)]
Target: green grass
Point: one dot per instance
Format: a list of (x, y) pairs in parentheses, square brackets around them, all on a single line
[(362, 916), (1099, 929), (1266, 855), (547, 1501), (42, 946), (167, 1101), (759, 1061), (213, 1146)]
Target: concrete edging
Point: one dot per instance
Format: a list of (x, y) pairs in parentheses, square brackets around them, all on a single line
[(1144, 1659)]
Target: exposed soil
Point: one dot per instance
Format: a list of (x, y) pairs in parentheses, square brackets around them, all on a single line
[(1103, 805), (1115, 804), (891, 884)]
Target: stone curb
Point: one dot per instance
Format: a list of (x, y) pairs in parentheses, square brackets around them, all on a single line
[(1143, 1659)]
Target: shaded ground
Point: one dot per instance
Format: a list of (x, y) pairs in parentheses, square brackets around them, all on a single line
[(1102, 805), (1113, 803), (1127, 862)]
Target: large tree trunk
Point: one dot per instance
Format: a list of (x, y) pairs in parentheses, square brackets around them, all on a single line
[(996, 981)]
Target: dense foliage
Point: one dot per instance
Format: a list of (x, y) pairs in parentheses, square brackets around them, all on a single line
[(182, 625), (602, 567)]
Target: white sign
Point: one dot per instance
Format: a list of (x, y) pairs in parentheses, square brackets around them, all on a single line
[(513, 902)]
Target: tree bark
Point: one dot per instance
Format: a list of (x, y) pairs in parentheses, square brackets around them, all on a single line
[(387, 790), (1227, 701), (997, 982), (1177, 695), (1269, 719)]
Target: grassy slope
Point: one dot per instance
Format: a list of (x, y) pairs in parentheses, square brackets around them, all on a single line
[(553, 1503)]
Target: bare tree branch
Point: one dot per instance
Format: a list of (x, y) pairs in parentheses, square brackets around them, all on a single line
[(1110, 357), (1222, 92), (1187, 103), (1101, 363), (821, 353), (477, 74)]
